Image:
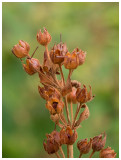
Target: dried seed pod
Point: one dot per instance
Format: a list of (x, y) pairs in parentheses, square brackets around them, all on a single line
[(75, 84), (71, 61), (43, 38), (84, 146), (48, 92), (107, 153), (54, 105), (71, 97), (82, 95), (98, 142), (27, 68), (52, 143), (81, 55), (67, 136), (21, 50), (83, 116), (58, 52)]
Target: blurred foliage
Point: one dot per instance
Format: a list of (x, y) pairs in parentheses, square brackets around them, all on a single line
[(93, 27)]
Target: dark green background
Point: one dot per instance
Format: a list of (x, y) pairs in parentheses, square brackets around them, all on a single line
[(93, 27)]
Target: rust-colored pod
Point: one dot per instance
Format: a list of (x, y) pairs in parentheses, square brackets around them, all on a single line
[(67, 136), (107, 153), (43, 38), (21, 49), (71, 61), (71, 97)]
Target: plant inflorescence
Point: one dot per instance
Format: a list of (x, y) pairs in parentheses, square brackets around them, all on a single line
[(62, 94)]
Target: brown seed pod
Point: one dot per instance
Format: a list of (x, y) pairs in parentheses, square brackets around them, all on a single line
[(71, 61), (75, 83), (21, 50), (81, 55), (82, 95), (43, 38), (52, 143), (84, 146), (107, 153), (67, 136), (58, 52), (54, 105), (98, 142)]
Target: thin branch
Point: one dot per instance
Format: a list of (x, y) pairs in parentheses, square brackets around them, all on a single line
[(67, 151), (80, 155), (56, 153), (71, 112), (61, 150), (92, 154), (34, 51), (67, 110), (71, 151), (62, 76), (76, 114)]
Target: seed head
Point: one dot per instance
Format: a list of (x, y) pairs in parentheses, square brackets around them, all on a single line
[(107, 153)]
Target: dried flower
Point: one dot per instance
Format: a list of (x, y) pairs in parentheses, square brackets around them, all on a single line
[(82, 95), (84, 146), (48, 92), (21, 50), (43, 38), (71, 61), (71, 97), (83, 116), (67, 136), (52, 143), (54, 105), (58, 52), (107, 153), (81, 55), (98, 143)]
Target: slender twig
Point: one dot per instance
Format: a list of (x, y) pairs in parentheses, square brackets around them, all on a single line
[(67, 110), (92, 154), (63, 117), (61, 150), (67, 151), (62, 76), (70, 73), (34, 51), (56, 153), (76, 114), (71, 112), (71, 151), (80, 155), (65, 124)]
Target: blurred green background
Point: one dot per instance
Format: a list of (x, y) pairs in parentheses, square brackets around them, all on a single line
[(93, 27)]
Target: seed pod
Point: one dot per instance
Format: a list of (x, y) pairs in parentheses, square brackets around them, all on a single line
[(84, 146), (67, 136), (54, 105), (107, 153), (58, 52), (67, 88), (27, 68), (82, 95), (75, 84), (43, 38), (71, 61), (81, 55), (21, 50), (52, 143), (98, 143), (55, 118), (83, 116)]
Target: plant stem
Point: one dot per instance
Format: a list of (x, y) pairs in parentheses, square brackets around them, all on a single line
[(80, 155), (67, 110), (34, 51), (62, 76), (69, 75), (56, 153), (76, 114), (67, 151), (71, 151), (71, 112), (61, 150), (91, 154)]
